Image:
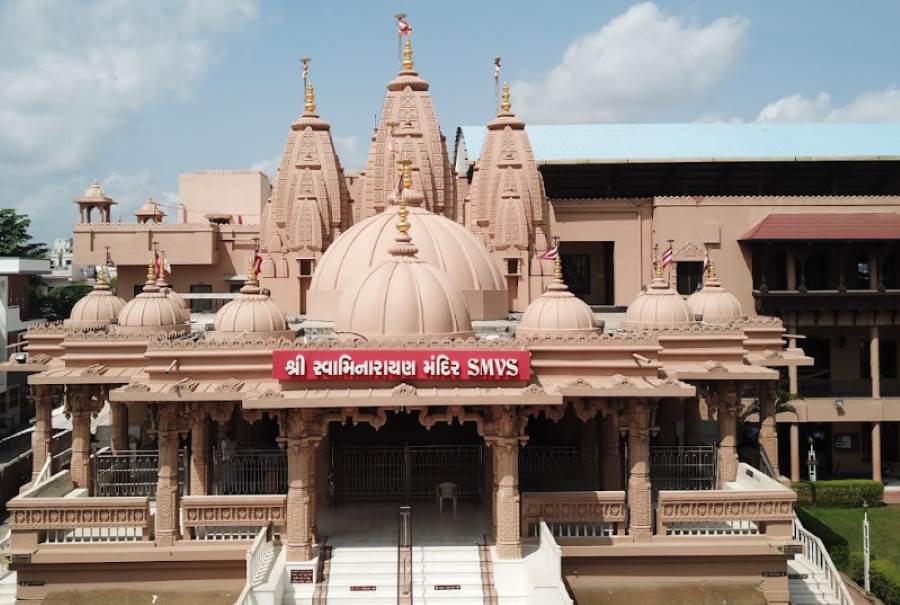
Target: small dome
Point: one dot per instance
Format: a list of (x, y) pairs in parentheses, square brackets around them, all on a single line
[(151, 310), (94, 192), (658, 306), (557, 311), (98, 308), (175, 297), (713, 303), (404, 295), (445, 244), (251, 312)]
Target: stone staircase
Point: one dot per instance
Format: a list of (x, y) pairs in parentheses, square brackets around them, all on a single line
[(447, 574), (809, 586), (8, 588), (365, 575)]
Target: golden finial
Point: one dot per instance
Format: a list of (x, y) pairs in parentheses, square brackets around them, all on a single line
[(151, 273), (407, 55), (310, 106), (505, 104), (711, 270), (557, 267), (102, 277), (657, 267), (251, 271)]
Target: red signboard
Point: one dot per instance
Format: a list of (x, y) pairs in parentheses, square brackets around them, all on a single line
[(401, 364)]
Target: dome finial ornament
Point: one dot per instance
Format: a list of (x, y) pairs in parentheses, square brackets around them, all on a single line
[(657, 266), (408, 64), (102, 277), (505, 103), (310, 106)]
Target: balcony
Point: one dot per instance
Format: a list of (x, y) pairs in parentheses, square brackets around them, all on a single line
[(775, 301), (818, 387)]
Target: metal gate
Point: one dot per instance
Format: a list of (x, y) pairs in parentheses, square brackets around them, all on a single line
[(404, 471), (549, 469), (683, 468), (132, 473), (250, 471)]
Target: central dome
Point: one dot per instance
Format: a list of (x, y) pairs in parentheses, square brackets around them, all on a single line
[(441, 242), (403, 295)]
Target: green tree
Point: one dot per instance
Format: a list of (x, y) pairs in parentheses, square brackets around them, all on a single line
[(14, 237), (56, 303)]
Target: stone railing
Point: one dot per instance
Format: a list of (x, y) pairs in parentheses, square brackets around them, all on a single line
[(574, 514), (55, 520), (231, 517), (725, 513)]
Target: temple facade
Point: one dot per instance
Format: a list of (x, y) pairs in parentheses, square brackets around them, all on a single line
[(406, 378)]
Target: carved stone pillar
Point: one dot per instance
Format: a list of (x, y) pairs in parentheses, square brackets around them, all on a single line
[(612, 462), (876, 451), (504, 434), (300, 447), (875, 362), (199, 453), (43, 396), (768, 431), (640, 525), (81, 402), (314, 434), (167, 481), (119, 415), (724, 398)]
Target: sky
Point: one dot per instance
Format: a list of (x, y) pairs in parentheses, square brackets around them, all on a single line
[(134, 93)]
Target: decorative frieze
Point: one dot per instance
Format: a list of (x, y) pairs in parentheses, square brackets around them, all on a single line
[(725, 506), (233, 511), (573, 507), (65, 513)]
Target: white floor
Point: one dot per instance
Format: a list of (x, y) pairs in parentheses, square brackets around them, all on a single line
[(366, 524)]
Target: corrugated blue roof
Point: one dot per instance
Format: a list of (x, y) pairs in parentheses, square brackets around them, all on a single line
[(699, 142)]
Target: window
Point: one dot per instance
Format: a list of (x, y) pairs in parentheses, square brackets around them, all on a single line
[(576, 270), (306, 267), (512, 266), (203, 305), (690, 276)]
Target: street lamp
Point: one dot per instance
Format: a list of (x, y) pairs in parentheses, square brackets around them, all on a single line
[(866, 551)]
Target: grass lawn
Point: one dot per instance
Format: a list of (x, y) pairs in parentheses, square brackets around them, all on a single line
[(884, 525)]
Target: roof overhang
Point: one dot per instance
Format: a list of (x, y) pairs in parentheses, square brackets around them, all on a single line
[(826, 226), (14, 265)]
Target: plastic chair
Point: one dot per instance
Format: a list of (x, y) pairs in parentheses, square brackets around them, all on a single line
[(446, 491)]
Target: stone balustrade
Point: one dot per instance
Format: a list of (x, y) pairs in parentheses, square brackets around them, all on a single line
[(36, 520), (725, 512), (588, 514), (224, 517)]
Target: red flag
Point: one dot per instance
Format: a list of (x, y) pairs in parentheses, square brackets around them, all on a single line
[(403, 27), (156, 263), (551, 254), (497, 69), (109, 260), (667, 257), (257, 264)]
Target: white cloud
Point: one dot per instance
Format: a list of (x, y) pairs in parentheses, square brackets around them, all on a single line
[(349, 151), (872, 106), (75, 73), (640, 62), (268, 167)]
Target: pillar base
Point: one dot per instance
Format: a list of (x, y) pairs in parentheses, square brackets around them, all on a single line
[(509, 551), (640, 534), (298, 553), (165, 539)]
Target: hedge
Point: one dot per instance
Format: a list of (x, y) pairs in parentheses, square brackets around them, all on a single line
[(857, 567), (841, 493), (836, 545), (885, 581)]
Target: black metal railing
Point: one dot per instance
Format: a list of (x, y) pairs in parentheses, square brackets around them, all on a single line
[(132, 473), (250, 471), (825, 387), (550, 469), (405, 471), (404, 557), (683, 468)]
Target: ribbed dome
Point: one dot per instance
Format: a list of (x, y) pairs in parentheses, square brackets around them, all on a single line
[(557, 311), (151, 310), (658, 306), (175, 297), (441, 242), (714, 303), (251, 312), (98, 308), (403, 295), (94, 192)]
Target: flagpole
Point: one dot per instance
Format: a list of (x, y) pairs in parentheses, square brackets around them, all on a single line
[(496, 84), (400, 17), (669, 265), (305, 62)]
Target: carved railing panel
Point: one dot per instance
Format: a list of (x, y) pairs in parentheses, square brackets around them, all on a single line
[(63, 520), (725, 512), (231, 517), (588, 514)]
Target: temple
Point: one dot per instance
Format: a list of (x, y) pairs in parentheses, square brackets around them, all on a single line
[(403, 400)]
